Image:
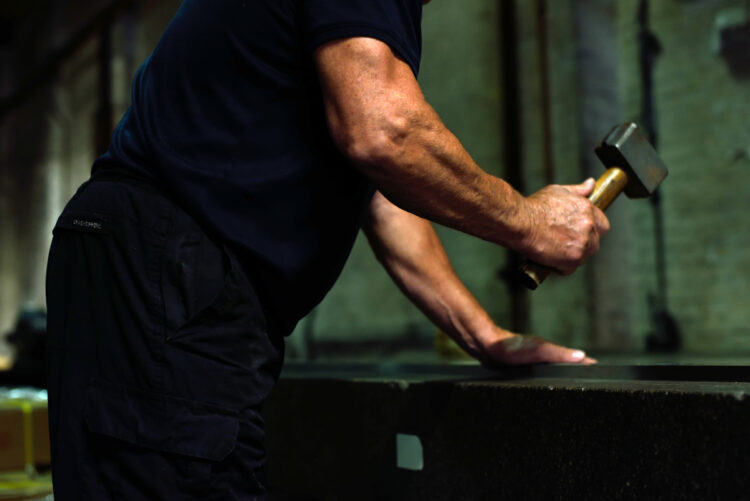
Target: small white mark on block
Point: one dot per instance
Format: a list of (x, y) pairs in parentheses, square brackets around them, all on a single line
[(409, 452)]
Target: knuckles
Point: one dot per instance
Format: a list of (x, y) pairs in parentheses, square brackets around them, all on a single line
[(568, 228)]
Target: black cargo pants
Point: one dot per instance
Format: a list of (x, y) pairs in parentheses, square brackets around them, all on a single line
[(159, 354)]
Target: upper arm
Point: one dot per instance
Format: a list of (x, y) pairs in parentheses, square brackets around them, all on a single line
[(368, 92)]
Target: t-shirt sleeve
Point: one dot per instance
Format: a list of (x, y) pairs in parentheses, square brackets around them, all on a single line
[(394, 22)]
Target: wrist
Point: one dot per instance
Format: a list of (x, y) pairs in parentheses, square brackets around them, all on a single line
[(518, 217), (488, 343), (488, 334)]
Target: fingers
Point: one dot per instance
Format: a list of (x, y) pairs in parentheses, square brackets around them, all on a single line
[(601, 222), (519, 349), (584, 189), (549, 352), (590, 247), (570, 226)]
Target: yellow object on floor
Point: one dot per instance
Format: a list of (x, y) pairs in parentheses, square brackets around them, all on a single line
[(24, 433), (447, 349), (24, 445), (21, 486)]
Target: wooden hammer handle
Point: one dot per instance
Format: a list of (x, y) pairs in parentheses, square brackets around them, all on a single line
[(606, 189)]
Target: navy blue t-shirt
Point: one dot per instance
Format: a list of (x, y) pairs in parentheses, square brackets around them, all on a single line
[(227, 116)]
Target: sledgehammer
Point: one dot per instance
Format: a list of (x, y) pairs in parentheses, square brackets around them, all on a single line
[(633, 166)]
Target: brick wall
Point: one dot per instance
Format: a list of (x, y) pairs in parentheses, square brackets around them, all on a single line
[(704, 126), (47, 144), (460, 77)]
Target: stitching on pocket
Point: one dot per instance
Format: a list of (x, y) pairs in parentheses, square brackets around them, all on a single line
[(192, 282)]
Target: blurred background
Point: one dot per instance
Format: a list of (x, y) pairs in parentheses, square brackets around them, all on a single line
[(529, 87)]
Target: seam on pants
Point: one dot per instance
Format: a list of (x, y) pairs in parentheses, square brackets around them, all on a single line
[(156, 296)]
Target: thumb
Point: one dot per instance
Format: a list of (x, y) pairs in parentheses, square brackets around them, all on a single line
[(584, 189)]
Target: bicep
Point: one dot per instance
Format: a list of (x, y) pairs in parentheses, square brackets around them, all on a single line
[(366, 89)]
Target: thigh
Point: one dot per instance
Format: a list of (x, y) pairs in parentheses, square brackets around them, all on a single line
[(102, 299)]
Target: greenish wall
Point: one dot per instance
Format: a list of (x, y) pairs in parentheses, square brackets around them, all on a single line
[(46, 148), (460, 77), (557, 309), (47, 144), (704, 126)]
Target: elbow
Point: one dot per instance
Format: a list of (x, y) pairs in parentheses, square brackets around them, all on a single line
[(375, 145)]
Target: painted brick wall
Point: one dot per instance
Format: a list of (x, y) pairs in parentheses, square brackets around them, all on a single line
[(47, 145), (460, 77), (704, 127), (704, 117)]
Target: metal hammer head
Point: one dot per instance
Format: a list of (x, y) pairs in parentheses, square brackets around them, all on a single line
[(625, 147)]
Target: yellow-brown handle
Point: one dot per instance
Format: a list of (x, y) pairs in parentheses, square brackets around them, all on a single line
[(606, 189), (608, 186)]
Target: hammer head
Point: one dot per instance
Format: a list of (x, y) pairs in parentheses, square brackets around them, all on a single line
[(625, 147)]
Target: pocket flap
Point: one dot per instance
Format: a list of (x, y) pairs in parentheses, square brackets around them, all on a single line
[(161, 422)]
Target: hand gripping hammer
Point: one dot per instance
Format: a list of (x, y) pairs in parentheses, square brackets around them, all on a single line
[(633, 166)]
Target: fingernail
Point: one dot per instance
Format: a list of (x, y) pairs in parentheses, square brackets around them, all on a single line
[(578, 355)]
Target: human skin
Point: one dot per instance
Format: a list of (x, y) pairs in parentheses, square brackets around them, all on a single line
[(379, 119), (410, 250)]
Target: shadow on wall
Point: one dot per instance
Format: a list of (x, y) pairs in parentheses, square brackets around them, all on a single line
[(733, 45)]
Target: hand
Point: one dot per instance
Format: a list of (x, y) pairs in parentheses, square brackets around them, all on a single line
[(565, 226), (515, 349)]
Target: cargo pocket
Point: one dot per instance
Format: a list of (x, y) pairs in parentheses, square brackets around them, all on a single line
[(202, 287), (154, 441), (195, 271)]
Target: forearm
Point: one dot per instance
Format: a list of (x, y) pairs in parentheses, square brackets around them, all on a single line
[(429, 173), (411, 252), (380, 120), (395, 138)]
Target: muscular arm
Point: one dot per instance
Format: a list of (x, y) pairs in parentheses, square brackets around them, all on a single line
[(411, 252), (379, 118)]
